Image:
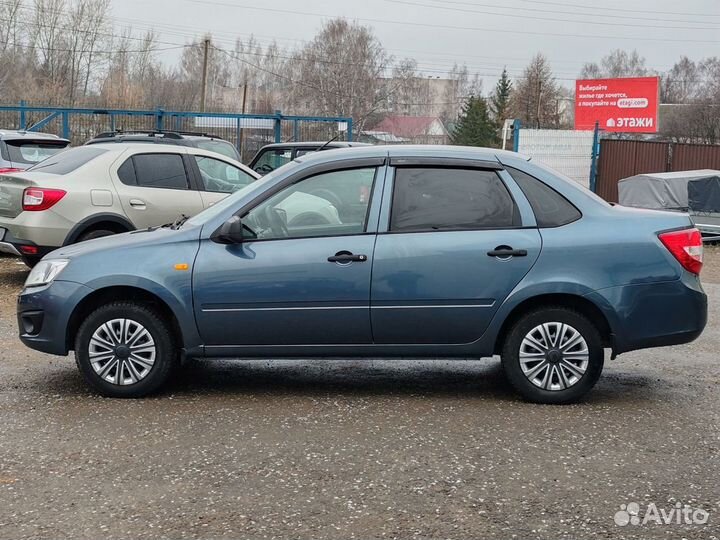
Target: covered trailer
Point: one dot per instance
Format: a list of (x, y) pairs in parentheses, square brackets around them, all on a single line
[(695, 192)]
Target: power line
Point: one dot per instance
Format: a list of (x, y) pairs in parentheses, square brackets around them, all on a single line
[(552, 19), (604, 9), (451, 27)]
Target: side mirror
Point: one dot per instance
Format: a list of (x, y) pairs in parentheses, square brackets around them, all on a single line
[(231, 232)]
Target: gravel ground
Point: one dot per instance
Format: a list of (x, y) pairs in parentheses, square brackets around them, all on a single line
[(356, 449)]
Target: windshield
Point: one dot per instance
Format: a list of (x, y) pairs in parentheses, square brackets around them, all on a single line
[(271, 159), (30, 152), (221, 147), (232, 200)]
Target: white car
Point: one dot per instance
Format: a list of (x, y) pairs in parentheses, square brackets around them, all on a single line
[(103, 189)]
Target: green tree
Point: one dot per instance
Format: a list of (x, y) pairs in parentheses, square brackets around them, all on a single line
[(500, 100), (474, 127)]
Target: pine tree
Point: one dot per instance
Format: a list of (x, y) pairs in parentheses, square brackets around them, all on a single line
[(500, 100), (474, 127)]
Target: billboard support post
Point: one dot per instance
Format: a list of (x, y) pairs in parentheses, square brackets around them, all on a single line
[(594, 157)]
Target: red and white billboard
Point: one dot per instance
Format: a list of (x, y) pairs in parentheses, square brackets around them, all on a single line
[(628, 105)]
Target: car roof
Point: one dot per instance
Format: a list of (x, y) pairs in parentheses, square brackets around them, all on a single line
[(12, 134), (315, 144), (158, 147), (402, 150)]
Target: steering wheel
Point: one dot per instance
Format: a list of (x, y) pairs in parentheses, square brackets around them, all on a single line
[(264, 169), (276, 222)]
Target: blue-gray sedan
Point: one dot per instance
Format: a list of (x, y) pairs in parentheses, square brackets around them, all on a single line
[(379, 251)]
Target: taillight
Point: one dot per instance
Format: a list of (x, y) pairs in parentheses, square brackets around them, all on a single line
[(37, 199), (9, 170), (686, 246)]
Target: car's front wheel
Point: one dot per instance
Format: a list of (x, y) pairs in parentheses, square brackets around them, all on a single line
[(125, 349), (553, 355)]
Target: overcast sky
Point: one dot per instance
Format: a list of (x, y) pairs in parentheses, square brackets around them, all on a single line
[(484, 34)]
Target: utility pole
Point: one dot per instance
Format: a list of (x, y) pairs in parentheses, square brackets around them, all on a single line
[(244, 101), (203, 94)]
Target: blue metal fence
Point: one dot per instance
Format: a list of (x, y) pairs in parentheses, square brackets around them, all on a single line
[(247, 131)]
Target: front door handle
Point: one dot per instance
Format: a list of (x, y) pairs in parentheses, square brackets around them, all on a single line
[(345, 257), (505, 252)]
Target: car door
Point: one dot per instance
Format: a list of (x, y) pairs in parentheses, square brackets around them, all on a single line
[(155, 188), (453, 246), (217, 178), (303, 275)]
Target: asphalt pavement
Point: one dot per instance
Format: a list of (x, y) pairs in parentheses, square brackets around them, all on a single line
[(357, 449)]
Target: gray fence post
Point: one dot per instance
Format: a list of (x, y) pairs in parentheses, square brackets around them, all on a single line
[(278, 126), (516, 135), (160, 119), (23, 118), (350, 129), (66, 125)]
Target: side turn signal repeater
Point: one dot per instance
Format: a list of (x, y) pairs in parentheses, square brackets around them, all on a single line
[(182, 266)]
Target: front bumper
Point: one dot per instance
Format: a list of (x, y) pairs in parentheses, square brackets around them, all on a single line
[(654, 314), (44, 315)]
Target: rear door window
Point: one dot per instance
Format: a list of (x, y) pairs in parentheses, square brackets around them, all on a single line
[(442, 199), (69, 160), (160, 171)]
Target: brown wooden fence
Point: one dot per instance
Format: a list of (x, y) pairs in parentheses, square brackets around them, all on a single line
[(620, 159)]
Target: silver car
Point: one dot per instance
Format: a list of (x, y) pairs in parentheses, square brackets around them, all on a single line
[(22, 149), (103, 189)]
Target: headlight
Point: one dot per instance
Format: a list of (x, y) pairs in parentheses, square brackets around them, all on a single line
[(45, 271)]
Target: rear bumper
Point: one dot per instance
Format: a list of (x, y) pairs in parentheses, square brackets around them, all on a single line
[(654, 314), (15, 246), (44, 314), (7, 247)]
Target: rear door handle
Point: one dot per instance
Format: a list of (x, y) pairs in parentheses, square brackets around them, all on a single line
[(137, 203), (345, 257), (503, 252)]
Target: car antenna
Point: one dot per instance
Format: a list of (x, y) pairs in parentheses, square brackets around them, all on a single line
[(328, 142)]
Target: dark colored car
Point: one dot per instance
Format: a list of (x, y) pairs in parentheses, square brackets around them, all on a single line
[(272, 156), (203, 141), (414, 252), (20, 150)]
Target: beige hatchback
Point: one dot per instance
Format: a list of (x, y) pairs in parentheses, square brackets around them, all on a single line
[(103, 189)]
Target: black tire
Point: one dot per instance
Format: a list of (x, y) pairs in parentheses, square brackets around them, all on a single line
[(97, 233), (166, 351), (511, 356), (30, 261)]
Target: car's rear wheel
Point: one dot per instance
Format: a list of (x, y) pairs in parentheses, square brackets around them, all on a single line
[(97, 233), (553, 355), (125, 349), (30, 261)]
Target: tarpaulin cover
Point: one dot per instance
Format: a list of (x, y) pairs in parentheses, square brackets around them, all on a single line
[(662, 191), (704, 194)]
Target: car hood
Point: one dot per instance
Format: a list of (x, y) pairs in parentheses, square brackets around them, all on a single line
[(121, 242)]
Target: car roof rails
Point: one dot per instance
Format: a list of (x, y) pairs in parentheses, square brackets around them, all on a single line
[(167, 133)]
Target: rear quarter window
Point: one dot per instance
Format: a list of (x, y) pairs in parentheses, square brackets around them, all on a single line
[(551, 209), (69, 160)]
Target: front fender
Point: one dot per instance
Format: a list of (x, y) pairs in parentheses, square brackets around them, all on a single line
[(175, 292)]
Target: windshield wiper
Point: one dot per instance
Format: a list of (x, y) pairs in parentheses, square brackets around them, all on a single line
[(179, 222)]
